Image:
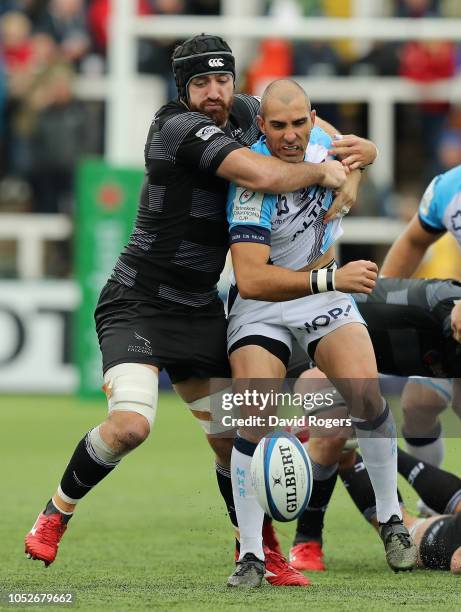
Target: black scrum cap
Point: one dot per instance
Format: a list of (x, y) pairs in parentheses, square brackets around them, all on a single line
[(203, 54)]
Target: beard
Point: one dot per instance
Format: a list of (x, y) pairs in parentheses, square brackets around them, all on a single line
[(218, 115)]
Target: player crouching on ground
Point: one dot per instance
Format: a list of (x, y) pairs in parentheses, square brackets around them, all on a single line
[(282, 256), (437, 538)]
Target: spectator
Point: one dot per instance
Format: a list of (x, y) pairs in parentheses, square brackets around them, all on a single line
[(65, 22), (155, 55), (274, 61), (98, 18), (417, 8), (2, 113), (58, 141), (426, 62), (15, 31), (204, 7)]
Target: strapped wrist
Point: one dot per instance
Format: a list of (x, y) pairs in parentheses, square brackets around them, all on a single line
[(322, 280)]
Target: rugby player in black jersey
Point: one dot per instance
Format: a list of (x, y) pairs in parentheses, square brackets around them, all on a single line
[(160, 308), (438, 538), (409, 322)]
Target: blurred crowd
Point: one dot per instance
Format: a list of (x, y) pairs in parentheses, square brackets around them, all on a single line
[(45, 129)]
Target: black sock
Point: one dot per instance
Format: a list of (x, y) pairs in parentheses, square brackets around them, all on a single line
[(50, 508), (223, 476), (358, 485), (437, 488), (84, 471), (310, 524)]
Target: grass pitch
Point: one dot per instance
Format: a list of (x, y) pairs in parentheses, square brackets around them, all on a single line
[(154, 535)]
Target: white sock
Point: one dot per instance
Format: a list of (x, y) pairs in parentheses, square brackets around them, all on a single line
[(378, 447), (432, 453), (250, 515)]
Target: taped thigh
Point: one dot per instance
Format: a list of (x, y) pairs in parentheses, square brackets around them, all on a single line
[(211, 412), (132, 387)]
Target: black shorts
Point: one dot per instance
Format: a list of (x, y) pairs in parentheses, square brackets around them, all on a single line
[(187, 342), (439, 542)]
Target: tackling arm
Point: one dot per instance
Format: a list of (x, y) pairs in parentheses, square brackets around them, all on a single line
[(268, 174), (406, 253)]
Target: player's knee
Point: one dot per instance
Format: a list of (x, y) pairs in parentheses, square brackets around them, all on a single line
[(124, 431), (326, 450), (134, 434), (132, 388)]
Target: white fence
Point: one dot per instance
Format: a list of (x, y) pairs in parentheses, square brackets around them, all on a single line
[(31, 232), (125, 141)]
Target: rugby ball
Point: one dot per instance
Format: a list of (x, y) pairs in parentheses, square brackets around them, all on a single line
[(281, 474)]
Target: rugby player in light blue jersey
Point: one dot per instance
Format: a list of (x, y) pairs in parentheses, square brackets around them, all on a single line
[(273, 238)]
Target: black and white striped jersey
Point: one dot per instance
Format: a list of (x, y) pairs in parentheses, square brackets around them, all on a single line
[(178, 247), (409, 325)]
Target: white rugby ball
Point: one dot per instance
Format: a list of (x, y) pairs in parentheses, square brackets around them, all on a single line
[(281, 474)]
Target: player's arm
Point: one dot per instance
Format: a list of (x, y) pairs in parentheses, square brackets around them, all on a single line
[(353, 151), (406, 253), (258, 280), (195, 141), (268, 174)]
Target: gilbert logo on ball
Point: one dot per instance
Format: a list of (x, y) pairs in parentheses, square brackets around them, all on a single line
[(281, 474)]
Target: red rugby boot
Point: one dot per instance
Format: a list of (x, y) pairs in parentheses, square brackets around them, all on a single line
[(307, 556), (43, 539), (279, 573)]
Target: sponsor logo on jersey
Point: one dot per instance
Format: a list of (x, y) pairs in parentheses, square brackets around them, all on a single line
[(206, 132), (216, 62), (456, 221), (246, 196)]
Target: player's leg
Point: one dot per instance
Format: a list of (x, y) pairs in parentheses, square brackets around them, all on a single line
[(423, 399), (346, 356), (132, 391), (439, 489), (358, 484), (306, 552), (324, 452), (205, 401), (252, 361)]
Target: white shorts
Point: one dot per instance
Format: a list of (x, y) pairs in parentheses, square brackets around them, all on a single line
[(306, 319)]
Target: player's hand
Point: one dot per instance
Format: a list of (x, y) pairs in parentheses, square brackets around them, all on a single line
[(353, 151), (456, 322), (334, 175), (356, 277), (345, 198)]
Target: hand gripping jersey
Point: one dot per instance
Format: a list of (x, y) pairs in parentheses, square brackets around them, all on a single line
[(440, 207), (291, 223)]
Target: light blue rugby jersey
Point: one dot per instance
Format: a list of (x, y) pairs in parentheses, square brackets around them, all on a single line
[(440, 206), (291, 223)]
